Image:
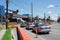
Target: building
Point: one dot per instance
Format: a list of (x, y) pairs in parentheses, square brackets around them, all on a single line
[(2, 13), (10, 17), (25, 17)]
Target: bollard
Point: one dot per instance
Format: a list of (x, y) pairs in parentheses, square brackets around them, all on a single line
[(36, 33)]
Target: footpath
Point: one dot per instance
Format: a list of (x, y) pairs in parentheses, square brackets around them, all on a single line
[(2, 32)]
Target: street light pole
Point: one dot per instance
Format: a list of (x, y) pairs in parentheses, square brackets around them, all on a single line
[(32, 10), (6, 14)]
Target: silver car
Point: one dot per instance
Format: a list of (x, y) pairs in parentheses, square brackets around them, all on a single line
[(30, 25), (23, 24)]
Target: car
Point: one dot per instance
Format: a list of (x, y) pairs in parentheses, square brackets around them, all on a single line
[(30, 25), (42, 28), (23, 24)]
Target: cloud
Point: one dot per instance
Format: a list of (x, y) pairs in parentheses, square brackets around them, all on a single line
[(49, 12), (22, 9), (54, 17), (51, 6)]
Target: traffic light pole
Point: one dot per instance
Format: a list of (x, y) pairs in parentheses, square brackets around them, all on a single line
[(6, 14)]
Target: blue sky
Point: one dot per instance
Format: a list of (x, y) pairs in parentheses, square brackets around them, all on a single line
[(50, 7)]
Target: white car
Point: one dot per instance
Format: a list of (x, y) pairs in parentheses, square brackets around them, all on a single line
[(42, 28)]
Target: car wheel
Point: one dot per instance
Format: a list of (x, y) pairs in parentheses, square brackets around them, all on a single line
[(26, 28), (33, 31), (47, 32)]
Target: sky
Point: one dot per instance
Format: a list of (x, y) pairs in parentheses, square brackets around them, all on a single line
[(49, 7)]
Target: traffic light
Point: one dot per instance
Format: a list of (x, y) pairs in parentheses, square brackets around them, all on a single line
[(17, 10)]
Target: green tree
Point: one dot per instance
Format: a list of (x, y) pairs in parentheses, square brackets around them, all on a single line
[(48, 18)]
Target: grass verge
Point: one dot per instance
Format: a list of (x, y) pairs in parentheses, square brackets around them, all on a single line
[(1, 26), (7, 35)]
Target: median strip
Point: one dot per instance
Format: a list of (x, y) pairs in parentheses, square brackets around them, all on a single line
[(7, 35)]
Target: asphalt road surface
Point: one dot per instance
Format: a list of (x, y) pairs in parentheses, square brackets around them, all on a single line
[(54, 34)]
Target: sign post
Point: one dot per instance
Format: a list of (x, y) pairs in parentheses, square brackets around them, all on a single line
[(6, 14)]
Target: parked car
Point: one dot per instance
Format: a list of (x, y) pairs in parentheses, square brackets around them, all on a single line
[(30, 25), (42, 28)]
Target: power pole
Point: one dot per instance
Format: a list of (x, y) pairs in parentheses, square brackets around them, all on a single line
[(32, 10), (6, 14), (44, 16)]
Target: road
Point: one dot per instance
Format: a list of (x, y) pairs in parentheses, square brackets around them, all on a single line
[(54, 34)]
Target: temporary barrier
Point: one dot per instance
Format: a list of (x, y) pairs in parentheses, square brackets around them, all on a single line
[(23, 34)]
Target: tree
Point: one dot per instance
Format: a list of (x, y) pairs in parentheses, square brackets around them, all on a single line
[(58, 20), (48, 18)]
